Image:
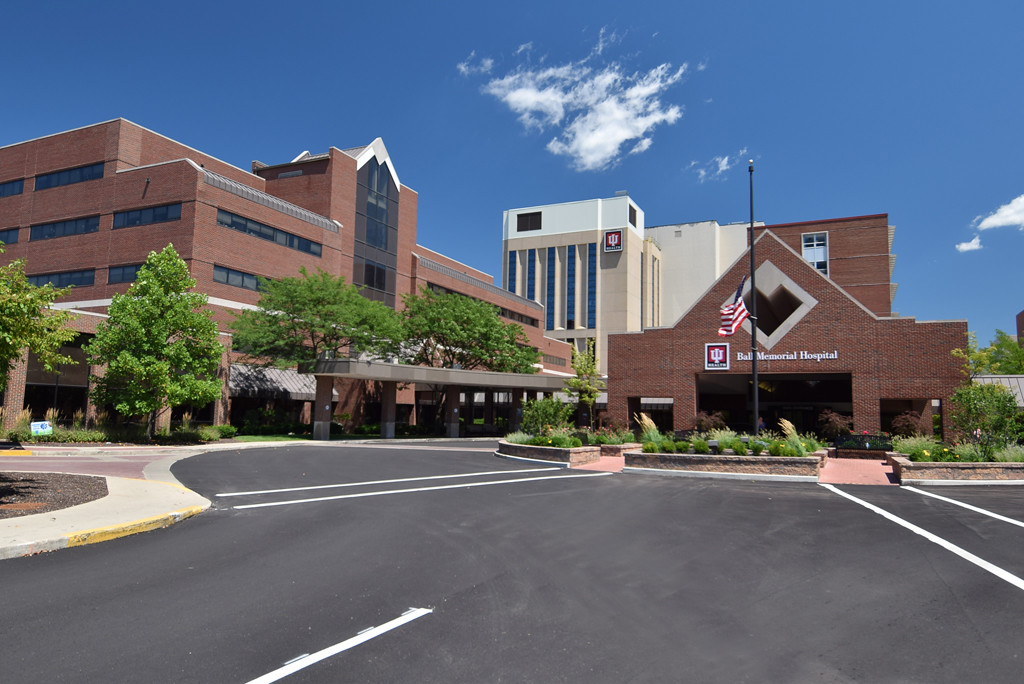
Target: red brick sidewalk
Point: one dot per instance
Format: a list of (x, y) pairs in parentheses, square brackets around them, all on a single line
[(856, 471)]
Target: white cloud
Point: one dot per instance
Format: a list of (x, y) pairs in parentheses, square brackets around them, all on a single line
[(1011, 214), (718, 167), (525, 47), (467, 68), (599, 111), (969, 246)]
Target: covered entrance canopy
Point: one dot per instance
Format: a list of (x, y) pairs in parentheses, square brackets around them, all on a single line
[(391, 374)]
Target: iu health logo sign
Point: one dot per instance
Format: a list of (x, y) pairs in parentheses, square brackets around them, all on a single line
[(613, 241), (716, 356)]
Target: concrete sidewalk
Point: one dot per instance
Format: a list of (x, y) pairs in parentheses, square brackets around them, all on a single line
[(142, 494)]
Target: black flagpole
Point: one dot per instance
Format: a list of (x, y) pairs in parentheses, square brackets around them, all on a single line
[(753, 306)]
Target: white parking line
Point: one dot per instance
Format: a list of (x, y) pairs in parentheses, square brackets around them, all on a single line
[(377, 482), (466, 485), (969, 507), (293, 666), (949, 546)]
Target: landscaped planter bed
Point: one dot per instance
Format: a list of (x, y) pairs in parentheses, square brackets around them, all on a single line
[(573, 456), (807, 466), (906, 470)]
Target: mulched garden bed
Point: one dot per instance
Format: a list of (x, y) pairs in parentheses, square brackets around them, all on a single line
[(32, 493)]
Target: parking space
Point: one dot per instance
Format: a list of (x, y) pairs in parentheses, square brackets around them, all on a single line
[(543, 575)]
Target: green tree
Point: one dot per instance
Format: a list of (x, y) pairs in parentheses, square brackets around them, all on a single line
[(26, 321), (1007, 357), (976, 361), (541, 416), (159, 345), (587, 383), (303, 318), (984, 415), (451, 330)]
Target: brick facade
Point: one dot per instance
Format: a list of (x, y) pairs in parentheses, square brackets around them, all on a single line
[(888, 362), (315, 197)]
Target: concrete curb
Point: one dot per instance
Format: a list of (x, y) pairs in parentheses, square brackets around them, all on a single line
[(130, 507), (714, 475)]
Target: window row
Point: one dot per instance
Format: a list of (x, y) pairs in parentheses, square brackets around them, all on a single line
[(9, 236), (502, 311), (269, 233), (69, 176), (143, 217), (46, 231), (72, 278), (229, 276), (13, 187)]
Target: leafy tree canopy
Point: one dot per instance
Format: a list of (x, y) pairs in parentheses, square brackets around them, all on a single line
[(302, 318), (451, 330), (1002, 357), (159, 345), (587, 383), (27, 322), (984, 415)]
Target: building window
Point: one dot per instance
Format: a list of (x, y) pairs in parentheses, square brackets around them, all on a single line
[(69, 176), (570, 288), (502, 311), (230, 276), (816, 250), (123, 274), (375, 275), (376, 232), (512, 272), (531, 273), (65, 279), (268, 233), (13, 187), (525, 222), (45, 231), (9, 236), (632, 215), (551, 288), (592, 285), (143, 217)]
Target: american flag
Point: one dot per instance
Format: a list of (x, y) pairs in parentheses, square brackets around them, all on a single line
[(734, 314)]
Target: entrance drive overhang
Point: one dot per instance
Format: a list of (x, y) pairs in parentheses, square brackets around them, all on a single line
[(390, 375)]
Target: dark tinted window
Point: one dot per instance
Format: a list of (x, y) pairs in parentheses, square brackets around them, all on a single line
[(528, 221), (45, 231), (69, 176), (142, 217)]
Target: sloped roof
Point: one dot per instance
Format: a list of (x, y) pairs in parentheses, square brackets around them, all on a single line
[(1014, 382), (257, 382)]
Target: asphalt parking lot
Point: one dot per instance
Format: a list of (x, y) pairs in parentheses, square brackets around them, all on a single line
[(442, 563)]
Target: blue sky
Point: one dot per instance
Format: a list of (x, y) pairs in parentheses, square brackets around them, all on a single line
[(906, 108)]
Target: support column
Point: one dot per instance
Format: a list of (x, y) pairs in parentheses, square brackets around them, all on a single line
[(388, 400), (451, 410), (489, 408), (516, 419), (322, 407)]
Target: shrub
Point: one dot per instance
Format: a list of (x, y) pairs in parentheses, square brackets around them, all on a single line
[(518, 437), (650, 448), (738, 447), (227, 431), (907, 424), (705, 422), (609, 436), (668, 446), (558, 439), (984, 415), (724, 436), (756, 447), (918, 448), (700, 446), (683, 447), (541, 416), (832, 424), (1012, 453)]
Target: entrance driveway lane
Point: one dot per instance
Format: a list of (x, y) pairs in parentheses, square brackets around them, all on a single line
[(609, 579), (996, 541)]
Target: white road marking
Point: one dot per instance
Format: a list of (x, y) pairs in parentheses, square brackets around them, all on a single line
[(466, 485), (293, 666), (377, 482), (969, 507), (949, 546)]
